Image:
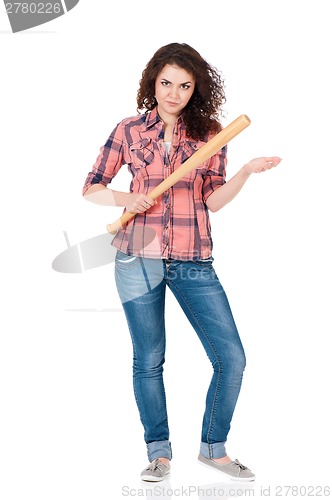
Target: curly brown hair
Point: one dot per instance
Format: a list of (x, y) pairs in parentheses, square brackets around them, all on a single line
[(201, 115)]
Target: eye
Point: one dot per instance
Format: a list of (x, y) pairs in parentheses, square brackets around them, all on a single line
[(185, 86), (165, 83)]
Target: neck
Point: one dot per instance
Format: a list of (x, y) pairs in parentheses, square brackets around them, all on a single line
[(169, 120)]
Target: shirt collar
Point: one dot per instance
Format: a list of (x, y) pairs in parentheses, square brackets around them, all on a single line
[(152, 118)]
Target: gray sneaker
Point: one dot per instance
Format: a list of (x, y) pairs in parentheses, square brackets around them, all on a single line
[(155, 471), (234, 470)]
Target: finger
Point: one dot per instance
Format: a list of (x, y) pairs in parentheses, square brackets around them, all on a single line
[(143, 207), (141, 210), (150, 202), (273, 160), (269, 164)]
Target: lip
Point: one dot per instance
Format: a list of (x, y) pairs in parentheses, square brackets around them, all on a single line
[(170, 103)]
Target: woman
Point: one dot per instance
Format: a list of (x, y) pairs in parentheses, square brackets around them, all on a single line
[(169, 243)]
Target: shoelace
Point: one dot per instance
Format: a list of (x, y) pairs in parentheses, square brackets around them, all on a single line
[(154, 465), (241, 466)]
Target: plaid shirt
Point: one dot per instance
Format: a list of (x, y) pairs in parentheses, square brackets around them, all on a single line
[(180, 220)]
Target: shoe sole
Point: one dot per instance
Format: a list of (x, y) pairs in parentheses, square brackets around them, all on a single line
[(154, 479), (233, 478)]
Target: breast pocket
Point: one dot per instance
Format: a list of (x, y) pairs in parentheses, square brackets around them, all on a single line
[(142, 154), (188, 149)]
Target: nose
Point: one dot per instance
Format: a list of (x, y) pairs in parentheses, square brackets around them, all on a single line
[(174, 93)]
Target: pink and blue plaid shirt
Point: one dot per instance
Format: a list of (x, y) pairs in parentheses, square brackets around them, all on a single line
[(180, 221)]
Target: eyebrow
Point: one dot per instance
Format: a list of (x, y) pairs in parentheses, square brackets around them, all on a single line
[(168, 81)]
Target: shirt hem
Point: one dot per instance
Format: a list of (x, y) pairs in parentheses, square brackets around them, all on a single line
[(169, 255)]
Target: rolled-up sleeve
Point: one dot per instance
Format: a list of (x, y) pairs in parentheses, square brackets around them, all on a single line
[(215, 176), (109, 160)]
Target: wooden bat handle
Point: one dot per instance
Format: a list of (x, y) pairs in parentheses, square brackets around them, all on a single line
[(204, 153)]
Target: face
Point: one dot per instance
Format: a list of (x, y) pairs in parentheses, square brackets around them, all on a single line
[(173, 89)]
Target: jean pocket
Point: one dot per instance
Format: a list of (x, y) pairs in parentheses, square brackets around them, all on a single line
[(204, 262), (124, 261)]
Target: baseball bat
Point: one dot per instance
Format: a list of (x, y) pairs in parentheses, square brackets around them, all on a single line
[(204, 153)]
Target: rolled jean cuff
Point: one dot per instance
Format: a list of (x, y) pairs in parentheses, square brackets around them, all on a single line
[(158, 449), (214, 450)]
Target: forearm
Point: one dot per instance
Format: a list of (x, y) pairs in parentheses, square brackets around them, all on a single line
[(100, 194), (226, 193)]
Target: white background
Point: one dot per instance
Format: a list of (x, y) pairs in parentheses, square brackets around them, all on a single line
[(68, 422)]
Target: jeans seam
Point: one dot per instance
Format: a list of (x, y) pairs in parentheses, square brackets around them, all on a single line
[(135, 379), (213, 410)]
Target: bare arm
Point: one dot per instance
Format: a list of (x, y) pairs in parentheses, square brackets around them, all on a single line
[(134, 202), (226, 193)]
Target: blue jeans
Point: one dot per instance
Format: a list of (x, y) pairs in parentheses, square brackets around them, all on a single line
[(141, 284)]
